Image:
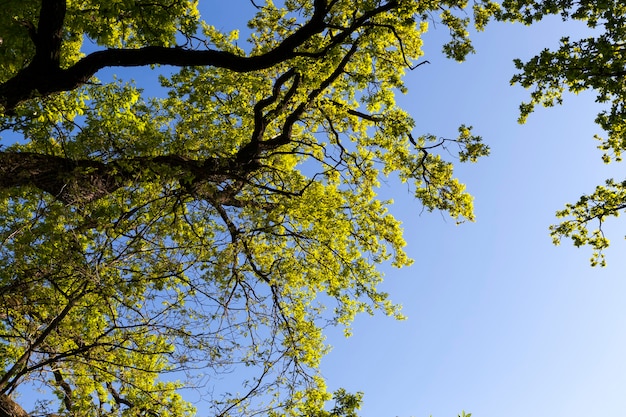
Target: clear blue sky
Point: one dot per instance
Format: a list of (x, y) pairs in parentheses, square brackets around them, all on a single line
[(500, 322)]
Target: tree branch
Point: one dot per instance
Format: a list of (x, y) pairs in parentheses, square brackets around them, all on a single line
[(77, 182), (43, 76), (80, 181), (39, 77), (9, 408), (49, 35), (67, 390)]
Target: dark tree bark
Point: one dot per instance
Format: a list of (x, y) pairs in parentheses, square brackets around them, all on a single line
[(82, 181), (9, 408), (43, 76)]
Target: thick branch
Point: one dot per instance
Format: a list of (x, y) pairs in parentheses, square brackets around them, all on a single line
[(82, 181), (41, 78), (9, 408), (56, 175), (119, 400), (291, 120), (67, 390), (49, 34)]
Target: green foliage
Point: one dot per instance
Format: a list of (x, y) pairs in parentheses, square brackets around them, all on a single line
[(595, 63), (127, 23), (463, 414), (606, 201), (217, 229)]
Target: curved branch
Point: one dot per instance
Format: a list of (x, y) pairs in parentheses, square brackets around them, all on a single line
[(9, 408), (67, 390), (45, 77), (40, 77)]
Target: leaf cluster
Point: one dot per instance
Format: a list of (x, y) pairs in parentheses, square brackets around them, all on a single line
[(598, 63)]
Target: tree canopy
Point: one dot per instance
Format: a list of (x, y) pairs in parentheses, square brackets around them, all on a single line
[(154, 243), (598, 63)]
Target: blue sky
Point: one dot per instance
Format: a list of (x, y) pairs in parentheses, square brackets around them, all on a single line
[(500, 322)]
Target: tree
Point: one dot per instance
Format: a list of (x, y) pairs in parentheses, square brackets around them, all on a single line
[(597, 62), (151, 244)]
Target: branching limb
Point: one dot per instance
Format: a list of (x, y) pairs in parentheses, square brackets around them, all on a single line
[(67, 390)]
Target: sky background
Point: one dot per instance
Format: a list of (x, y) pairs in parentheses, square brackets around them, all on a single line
[(500, 322)]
